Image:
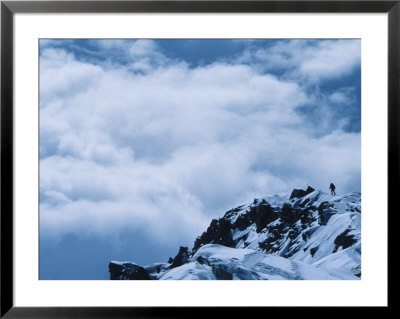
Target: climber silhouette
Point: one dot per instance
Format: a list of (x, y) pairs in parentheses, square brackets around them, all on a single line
[(332, 188)]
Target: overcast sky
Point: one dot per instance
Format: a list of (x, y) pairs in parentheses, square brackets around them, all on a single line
[(143, 142)]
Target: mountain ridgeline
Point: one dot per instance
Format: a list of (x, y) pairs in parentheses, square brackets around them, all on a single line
[(308, 234)]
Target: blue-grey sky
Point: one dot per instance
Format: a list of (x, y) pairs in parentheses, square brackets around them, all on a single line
[(143, 142)]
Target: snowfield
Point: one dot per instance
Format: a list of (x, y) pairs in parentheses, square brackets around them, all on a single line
[(307, 235), (220, 262)]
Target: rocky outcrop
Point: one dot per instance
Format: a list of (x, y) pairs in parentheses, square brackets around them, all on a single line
[(181, 258), (344, 240), (127, 271), (219, 232), (298, 193), (308, 226)]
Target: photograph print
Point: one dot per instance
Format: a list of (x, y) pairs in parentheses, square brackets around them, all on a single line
[(200, 159)]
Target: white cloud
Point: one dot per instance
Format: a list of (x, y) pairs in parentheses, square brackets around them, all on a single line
[(310, 61), (167, 149), (61, 75)]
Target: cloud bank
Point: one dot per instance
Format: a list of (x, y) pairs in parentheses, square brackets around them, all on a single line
[(132, 139)]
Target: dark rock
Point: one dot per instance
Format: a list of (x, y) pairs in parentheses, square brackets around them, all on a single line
[(219, 232), (309, 190), (344, 240), (243, 221), (325, 212), (313, 251), (286, 210), (298, 193), (263, 216), (271, 243), (268, 246), (115, 271), (288, 214), (170, 260), (181, 258), (127, 271), (276, 233), (306, 217), (252, 212), (221, 273), (304, 203), (293, 233), (232, 212), (243, 237), (357, 271), (203, 261)]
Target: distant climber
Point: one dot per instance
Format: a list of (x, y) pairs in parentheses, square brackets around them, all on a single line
[(332, 188)]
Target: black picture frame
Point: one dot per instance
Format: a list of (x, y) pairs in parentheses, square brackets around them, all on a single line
[(9, 8)]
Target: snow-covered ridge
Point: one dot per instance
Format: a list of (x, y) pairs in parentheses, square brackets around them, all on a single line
[(308, 234)]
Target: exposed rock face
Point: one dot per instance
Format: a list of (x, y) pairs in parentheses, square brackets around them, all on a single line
[(298, 193), (219, 232), (264, 215), (127, 271), (181, 258), (344, 240), (280, 222)]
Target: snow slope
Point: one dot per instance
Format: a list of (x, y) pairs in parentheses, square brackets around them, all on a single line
[(219, 262)]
